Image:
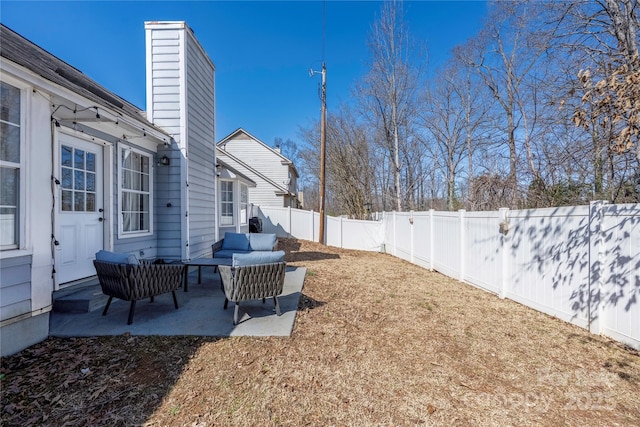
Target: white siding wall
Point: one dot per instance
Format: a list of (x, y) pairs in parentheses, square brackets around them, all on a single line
[(267, 163), (163, 109), (264, 192), (201, 148), (181, 99)]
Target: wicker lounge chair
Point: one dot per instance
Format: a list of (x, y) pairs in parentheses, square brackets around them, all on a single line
[(253, 281), (135, 282)]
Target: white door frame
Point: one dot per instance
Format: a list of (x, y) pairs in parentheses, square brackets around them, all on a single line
[(107, 185)]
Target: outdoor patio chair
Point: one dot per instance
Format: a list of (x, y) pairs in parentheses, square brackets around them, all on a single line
[(133, 282), (253, 276)]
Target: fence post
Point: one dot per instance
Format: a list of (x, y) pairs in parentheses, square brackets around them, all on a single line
[(596, 258), (504, 250), (341, 231), (411, 257), (463, 242), (395, 243), (431, 239), (289, 220)]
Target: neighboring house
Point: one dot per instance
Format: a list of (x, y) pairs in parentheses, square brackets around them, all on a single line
[(234, 209), (275, 175), (82, 170)]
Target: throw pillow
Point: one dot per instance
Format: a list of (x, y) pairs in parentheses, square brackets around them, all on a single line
[(262, 242), (239, 241)]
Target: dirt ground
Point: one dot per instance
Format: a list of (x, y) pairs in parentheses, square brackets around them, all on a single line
[(376, 341)]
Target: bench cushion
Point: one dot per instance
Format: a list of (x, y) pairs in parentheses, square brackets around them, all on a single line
[(262, 242), (237, 241), (257, 257), (116, 257)]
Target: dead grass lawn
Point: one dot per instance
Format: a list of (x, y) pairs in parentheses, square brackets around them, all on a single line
[(377, 341)]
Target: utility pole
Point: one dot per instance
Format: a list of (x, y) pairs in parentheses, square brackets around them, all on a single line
[(323, 138)]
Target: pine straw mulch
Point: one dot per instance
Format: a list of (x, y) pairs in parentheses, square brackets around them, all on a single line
[(377, 341)]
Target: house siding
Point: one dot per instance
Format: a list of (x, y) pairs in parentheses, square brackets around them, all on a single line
[(266, 162), (182, 96), (15, 287), (201, 149), (168, 215), (163, 109)]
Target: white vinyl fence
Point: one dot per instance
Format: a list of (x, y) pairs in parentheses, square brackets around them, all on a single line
[(580, 264), (339, 232)]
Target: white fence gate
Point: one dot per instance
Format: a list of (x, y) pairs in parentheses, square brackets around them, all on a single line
[(580, 264)]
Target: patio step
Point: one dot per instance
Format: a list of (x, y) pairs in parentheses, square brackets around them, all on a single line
[(81, 298)]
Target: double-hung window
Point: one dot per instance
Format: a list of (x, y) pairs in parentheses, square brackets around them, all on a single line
[(226, 203), (135, 192), (244, 202), (10, 138)]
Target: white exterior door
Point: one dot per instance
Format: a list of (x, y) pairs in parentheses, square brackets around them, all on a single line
[(79, 230)]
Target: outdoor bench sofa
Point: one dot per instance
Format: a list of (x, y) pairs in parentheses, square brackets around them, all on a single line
[(253, 276), (124, 277), (244, 243)]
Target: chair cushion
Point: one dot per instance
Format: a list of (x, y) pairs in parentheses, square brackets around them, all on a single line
[(116, 257), (262, 242), (239, 241), (228, 253), (254, 258)]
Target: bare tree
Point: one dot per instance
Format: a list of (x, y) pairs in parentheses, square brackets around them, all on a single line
[(389, 90), (445, 123), (351, 166), (504, 54)]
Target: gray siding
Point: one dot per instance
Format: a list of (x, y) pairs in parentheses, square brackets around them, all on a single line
[(15, 287), (201, 149), (165, 112), (168, 199)]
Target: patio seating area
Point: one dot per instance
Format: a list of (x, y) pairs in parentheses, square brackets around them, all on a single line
[(376, 341), (201, 313)]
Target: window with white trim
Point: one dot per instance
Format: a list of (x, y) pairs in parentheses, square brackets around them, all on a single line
[(135, 192), (244, 203), (226, 203), (10, 163)]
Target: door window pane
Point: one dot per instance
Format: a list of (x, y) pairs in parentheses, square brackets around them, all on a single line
[(91, 162), (67, 200), (78, 180), (78, 201), (91, 202)]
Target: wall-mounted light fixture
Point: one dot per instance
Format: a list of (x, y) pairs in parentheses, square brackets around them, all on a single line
[(164, 160)]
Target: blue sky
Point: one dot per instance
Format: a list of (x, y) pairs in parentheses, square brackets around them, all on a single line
[(262, 49)]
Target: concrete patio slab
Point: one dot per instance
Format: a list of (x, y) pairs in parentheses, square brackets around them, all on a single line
[(201, 313)]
